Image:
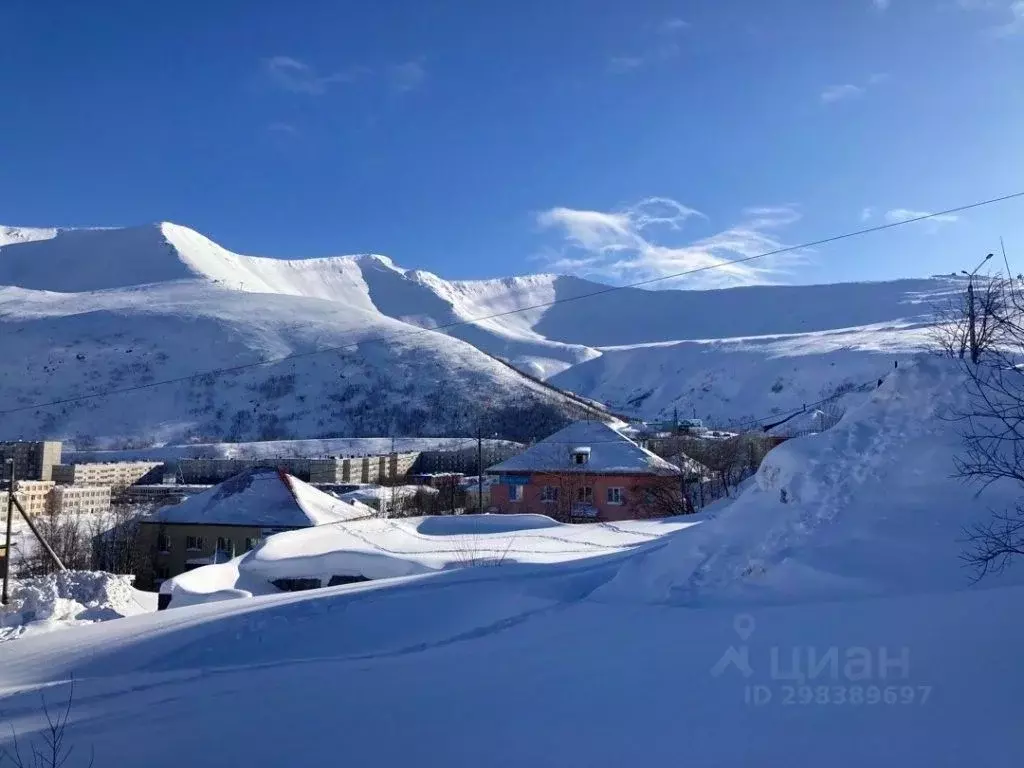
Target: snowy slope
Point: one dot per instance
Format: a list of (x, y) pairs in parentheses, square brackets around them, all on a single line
[(387, 548), (869, 507), (97, 309), (709, 646), (517, 666), (723, 355)]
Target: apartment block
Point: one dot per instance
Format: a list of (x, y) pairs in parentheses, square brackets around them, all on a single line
[(115, 474), (34, 496), (356, 469), (212, 471), (32, 460), (80, 499), (361, 469)]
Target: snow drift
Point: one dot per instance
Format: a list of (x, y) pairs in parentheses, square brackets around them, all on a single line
[(869, 507), (70, 598), (389, 548)]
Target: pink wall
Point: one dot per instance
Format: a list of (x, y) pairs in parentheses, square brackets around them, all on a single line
[(632, 486)]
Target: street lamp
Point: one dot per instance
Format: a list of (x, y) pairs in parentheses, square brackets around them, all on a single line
[(970, 307), (975, 271)]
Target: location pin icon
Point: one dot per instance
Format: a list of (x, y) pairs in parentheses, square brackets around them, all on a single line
[(743, 623)]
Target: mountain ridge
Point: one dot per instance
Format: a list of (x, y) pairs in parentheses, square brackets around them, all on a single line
[(726, 354)]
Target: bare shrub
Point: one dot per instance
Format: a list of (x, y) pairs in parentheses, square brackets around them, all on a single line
[(49, 749)]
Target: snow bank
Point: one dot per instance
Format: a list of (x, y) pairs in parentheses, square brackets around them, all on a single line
[(870, 506), (388, 548), (70, 598)]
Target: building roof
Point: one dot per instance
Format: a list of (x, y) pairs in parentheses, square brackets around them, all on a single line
[(261, 497), (611, 453)]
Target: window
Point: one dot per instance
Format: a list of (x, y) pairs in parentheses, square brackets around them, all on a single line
[(163, 542), (580, 455), (585, 495), (616, 496), (549, 494), (251, 542), (193, 542), (163, 572), (224, 544), (515, 493)]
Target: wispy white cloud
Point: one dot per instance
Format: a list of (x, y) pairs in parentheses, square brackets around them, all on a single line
[(283, 129), (841, 93), (619, 65), (897, 215), (848, 91), (1015, 25), (672, 26), (635, 243), (866, 214), (905, 214), (299, 77), (1011, 13), (882, 5), (663, 48), (408, 75)]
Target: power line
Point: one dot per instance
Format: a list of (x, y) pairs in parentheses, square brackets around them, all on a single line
[(541, 305)]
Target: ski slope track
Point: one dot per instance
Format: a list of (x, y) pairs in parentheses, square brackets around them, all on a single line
[(86, 310)]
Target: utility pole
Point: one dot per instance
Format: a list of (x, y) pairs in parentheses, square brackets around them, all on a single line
[(970, 308), (479, 469), (8, 554)]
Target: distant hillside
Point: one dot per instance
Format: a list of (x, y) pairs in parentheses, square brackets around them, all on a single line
[(90, 309)]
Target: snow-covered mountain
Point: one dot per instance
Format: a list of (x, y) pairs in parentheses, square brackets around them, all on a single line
[(85, 310)]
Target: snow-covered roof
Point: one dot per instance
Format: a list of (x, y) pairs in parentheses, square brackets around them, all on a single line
[(263, 497), (611, 452)]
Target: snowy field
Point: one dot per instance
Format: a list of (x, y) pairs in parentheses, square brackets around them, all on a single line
[(828, 625)]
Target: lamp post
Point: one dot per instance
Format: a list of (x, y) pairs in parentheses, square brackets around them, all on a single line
[(970, 307)]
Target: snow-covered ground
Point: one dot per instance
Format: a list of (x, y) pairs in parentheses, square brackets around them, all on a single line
[(834, 627), (387, 548)]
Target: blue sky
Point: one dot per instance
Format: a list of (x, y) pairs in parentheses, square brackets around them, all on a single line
[(620, 140)]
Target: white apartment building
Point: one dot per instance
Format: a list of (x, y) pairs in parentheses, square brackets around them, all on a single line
[(80, 499), (34, 496), (116, 474)]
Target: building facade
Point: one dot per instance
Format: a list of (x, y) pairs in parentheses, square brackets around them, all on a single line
[(587, 471), (362, 469), (34, 495), (354, 469), (80, 499), (115, 474), (175, 548), (32, 460)]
